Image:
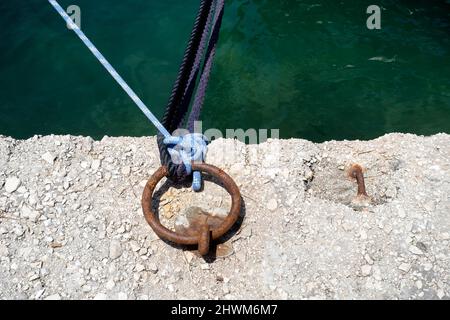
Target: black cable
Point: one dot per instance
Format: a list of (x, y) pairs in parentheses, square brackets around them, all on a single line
[(178, 104)]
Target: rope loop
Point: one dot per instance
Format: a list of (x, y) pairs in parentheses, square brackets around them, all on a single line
[(186, 149)]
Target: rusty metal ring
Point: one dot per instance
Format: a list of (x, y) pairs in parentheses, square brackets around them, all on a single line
[(206, 235)]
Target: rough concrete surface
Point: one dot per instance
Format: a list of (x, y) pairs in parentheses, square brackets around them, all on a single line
[(71, 223)]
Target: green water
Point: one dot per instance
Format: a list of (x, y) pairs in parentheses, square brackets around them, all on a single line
[(301, 66)]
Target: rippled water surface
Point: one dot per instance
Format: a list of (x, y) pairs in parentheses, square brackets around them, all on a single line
[(310, 68)]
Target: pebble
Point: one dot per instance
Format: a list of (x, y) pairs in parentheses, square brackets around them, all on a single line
[(85, 164), (39, 293), (140, 267), (405, 267), (272, 204), (53, 297), (368, 259), (89, 219), (4, 252), (134, 246), (153, 268), (142, 183), (415, 250), (363, 234), (225, 288), (366, 270), (440, 293), (204, 266), (126, 170), (110, 284), (12, 184), (96, 163), (419, 284), (49, 158), (115, 249), (189, 256), (427, 266), (30, 214), (19, 231), (401, 212)]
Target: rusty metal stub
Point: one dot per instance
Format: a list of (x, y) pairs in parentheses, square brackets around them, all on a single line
[(203, 228), (362, 198)]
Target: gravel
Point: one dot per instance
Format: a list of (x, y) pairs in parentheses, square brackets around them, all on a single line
[(12, 184), (71, 224)]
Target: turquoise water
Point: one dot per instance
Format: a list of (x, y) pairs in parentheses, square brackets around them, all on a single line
[(304, 67)]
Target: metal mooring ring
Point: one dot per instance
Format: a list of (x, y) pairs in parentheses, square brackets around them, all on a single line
[(206, 235)]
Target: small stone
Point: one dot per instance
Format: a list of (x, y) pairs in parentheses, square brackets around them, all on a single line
[(134, 246), (140, 267), (347, 226), (225, 289), (66, 185), (415, 250), (87, 289), (421, 246), (142, 183), (153, 268), (19, 231), (84, 164), (4, 252), (440, 293), (110, 284), (115, 249), (12, 184), (204, 266), (363, 234), (22, 190), (430, 206), (419, 284), (126, 170), (427, 266), (189, 256), (272, 204), (28, 213), (96, 163), (39, 293), (53, 297), (89, 219), (100, 296), (366, 270), (49, 158), (368, 259), (143, 251), (405, 267)]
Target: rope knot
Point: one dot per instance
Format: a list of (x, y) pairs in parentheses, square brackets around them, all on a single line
[(186, 149)]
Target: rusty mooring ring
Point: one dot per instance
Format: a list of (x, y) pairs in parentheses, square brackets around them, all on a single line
[(202, 239)]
